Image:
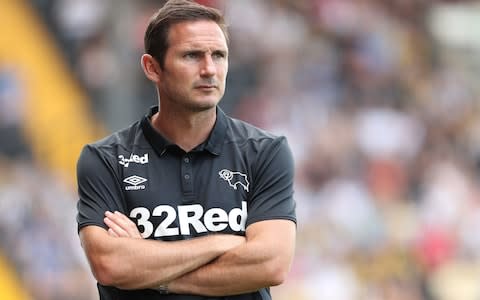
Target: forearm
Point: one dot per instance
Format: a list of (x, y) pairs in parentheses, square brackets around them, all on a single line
[(233, 273), (260, 262), (147, 264), (135, 263)]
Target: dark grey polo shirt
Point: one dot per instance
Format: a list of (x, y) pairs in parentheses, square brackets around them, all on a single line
[(240, 175)]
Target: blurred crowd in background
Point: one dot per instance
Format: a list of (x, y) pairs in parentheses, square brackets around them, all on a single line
[(379, 100)]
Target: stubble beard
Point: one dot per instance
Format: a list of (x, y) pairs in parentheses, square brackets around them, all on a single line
[(190, 104), (193, 104), (191, 99)]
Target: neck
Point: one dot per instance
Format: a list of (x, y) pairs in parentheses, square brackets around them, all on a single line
[(185, 129)]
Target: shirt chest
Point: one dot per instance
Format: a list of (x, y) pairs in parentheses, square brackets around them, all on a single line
[(176, 195)]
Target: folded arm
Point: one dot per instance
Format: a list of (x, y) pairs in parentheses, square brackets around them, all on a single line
[(263, 261), (135, 263)]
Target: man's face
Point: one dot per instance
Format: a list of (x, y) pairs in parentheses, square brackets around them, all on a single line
[(196, 65)]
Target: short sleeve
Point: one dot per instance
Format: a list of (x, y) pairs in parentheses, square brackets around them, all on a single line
[(272, 193), (98, 188)]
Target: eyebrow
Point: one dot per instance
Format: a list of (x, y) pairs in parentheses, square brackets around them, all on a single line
[(202, 51)]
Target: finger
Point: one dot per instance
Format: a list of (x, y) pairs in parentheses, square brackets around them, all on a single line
[(117, 218), (122, 225), (128, 225), (119, 231), (112, 233), (124, 218)]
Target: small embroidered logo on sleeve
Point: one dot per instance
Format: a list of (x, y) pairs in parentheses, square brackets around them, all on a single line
[(234, 179)]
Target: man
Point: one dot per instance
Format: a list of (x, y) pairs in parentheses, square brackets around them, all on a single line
[(187, 203)]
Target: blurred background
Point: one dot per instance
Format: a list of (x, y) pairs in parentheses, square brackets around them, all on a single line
[(380, 101)]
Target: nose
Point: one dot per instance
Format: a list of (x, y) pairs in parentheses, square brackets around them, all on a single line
[(208, 67)]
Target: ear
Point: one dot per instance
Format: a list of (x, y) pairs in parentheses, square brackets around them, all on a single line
[(151, 68)]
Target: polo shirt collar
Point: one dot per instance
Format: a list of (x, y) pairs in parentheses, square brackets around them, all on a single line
[(213, 144), (215, 141)]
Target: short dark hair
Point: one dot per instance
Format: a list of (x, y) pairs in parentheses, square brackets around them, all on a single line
[(173, 12)]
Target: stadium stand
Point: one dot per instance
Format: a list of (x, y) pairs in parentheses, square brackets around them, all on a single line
[(55, 117), (10, 286)]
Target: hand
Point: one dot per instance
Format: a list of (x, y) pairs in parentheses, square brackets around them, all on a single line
[(121, 226)]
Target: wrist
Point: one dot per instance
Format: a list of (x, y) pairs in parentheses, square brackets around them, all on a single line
[(163, 289)]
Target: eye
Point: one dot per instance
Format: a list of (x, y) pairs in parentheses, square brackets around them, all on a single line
[(192, 55), (219, 55)]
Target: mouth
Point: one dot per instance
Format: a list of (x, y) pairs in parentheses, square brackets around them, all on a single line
[(206, 87)]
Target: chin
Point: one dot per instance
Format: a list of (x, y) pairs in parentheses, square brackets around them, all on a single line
[(203, 106)]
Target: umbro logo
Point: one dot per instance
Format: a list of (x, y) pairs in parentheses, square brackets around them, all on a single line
[(235, 179), (135, 183), (125, 161)]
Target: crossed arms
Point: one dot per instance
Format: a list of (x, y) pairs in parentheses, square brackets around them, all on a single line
[(214, 265)]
